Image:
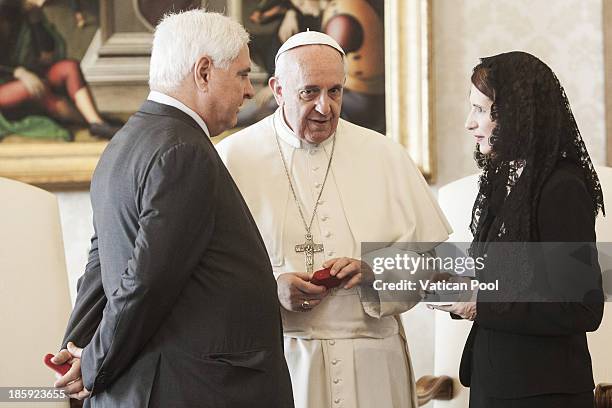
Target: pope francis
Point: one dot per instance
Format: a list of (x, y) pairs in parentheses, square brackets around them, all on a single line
[(319, 186)]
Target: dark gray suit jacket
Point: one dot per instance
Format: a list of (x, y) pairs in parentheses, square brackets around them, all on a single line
[(178, 304)]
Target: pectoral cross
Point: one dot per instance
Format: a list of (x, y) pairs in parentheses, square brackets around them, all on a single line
[(309, 248)]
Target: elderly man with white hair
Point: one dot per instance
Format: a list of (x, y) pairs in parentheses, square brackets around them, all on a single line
[(177, 306), (318, 187)]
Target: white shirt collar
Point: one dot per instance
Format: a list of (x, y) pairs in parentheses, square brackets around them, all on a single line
[(288, 136), (162, 98)]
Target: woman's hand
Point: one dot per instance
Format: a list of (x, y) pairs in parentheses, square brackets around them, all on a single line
[(467, 310)]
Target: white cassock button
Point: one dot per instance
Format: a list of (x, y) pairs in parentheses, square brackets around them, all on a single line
[(330, 253), (336, 380), (337, 400), (317, 185), (334, 361), (313, 152), (321, 201), (327, 234), (324, 218), (332, 342), (315, 168)]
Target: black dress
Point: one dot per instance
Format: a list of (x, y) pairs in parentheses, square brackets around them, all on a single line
[(536, 354)]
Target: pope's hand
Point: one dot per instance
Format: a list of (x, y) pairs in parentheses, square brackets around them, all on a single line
[(353, 271), (71, 382), (297, 294)]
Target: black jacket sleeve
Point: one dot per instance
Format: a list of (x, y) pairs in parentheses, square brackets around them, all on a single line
[(176, 221), (565, 214), (87, 313)]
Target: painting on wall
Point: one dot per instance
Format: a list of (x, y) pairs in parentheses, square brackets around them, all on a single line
[(46, 107), (43, 93), (57, 111)]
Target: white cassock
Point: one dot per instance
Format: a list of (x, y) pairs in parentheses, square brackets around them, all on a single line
[(345, 352)]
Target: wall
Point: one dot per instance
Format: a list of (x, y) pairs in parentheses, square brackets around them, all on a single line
[(77, 229)]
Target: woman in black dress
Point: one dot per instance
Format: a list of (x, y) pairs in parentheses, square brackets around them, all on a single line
[(537, 185)]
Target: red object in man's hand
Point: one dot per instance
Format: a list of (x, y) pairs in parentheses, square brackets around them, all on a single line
[(61, 369), (322, 277)]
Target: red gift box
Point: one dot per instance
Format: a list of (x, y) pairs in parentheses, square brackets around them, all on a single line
[(322, 277)]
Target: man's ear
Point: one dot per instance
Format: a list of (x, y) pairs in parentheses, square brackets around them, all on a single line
[(202, 71), (277, 90)]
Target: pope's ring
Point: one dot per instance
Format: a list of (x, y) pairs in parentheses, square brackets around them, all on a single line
[(305, 304)]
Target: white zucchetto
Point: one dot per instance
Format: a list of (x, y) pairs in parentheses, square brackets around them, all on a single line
[(308, 38)]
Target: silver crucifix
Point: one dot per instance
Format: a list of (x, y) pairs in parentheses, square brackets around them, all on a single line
[(309, 248)]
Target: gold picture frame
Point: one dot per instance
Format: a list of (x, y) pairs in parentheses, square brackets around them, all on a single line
[(409, 84), (53, 166), (409, 91), (408, 78)]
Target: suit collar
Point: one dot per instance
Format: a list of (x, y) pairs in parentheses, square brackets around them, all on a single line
[(156, 108), (162, 98)]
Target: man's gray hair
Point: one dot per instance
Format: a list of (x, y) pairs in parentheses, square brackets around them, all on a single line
[(181, 38)]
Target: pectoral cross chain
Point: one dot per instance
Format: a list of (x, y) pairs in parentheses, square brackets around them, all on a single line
[(309, 248)]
